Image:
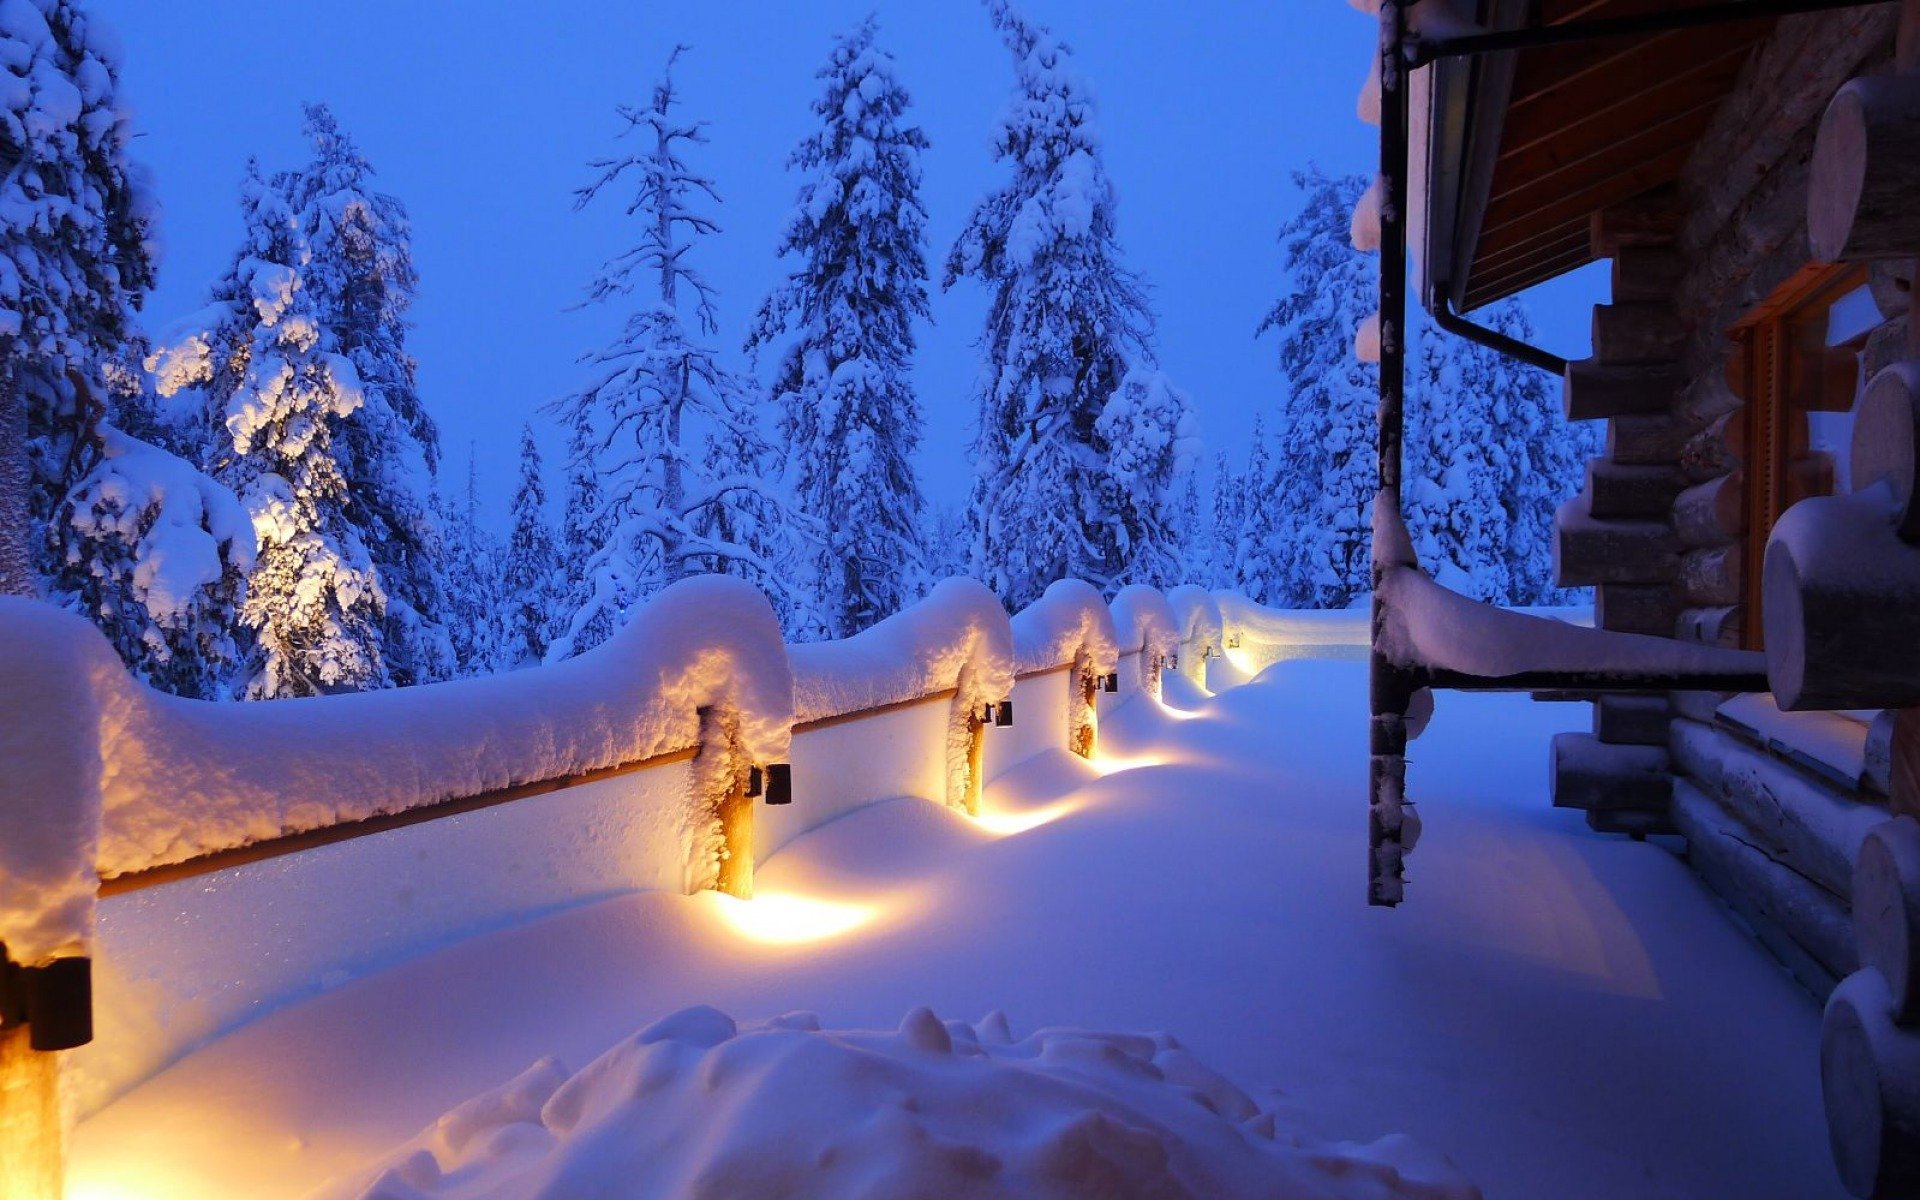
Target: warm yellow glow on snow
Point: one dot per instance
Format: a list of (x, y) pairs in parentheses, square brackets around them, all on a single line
[(779, 918), (1109, 764), (1008, 823)]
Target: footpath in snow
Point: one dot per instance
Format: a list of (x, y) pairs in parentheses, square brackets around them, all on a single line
[(1564, 1015)]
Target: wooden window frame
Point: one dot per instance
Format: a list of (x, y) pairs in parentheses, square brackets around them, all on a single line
[(1783, 369)]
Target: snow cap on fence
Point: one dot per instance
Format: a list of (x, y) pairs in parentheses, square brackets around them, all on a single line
[(1257, 625), (1069, 618), (1142, 619), (1196, 614), (959, 627), (52, 664), (189, 777)]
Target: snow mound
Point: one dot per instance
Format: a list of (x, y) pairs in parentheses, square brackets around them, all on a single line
[(188, 777), (1069, 619), (958, 636), (1197, 615), (697, 1107), (1144, 622)]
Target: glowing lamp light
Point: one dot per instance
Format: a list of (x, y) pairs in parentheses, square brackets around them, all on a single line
[(784, 919), (1233, 641), (1111, 764)]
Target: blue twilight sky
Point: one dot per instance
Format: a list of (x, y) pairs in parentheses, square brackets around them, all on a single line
[(480, 116)]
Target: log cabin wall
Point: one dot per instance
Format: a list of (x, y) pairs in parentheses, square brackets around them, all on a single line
[(1662, 529)]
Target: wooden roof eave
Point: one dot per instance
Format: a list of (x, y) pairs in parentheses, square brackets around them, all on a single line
[(1465, 124)]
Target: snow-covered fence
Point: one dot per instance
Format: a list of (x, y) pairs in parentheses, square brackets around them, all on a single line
[(1149, 637), (896, 710), (239, 857), (1202, 633), (1063, 643), (1257, 636)]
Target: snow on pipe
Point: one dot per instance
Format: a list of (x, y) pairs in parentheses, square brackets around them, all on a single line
[(1143, 620), (184, 778), (1069, 625), (958, 638)]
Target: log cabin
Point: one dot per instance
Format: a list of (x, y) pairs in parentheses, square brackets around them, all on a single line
[(1751, 172)]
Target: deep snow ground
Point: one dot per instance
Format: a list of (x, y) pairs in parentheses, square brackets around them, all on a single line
[(1565, 1015)]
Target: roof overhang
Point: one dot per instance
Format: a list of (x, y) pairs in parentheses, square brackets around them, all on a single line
[(1524, 147)]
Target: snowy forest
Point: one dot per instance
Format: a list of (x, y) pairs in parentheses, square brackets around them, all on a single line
[(252, 500)]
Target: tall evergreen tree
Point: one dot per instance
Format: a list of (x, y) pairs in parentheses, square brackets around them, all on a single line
[(277, 390), (1198, 538), (76, 221), (1324, 456), (1229, 511), (1066, 323), (1261, 552), (1148, 428), (584, 536), (532, 566), (477, 601), (362, 281), (671, 506), (849, 414)]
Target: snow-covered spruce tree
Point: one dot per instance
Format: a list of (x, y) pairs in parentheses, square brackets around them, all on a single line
[(1260, 555), (76, 218), (474, 564), (656, 389), (1194, 524), (1148, 430), (945, 546), (362, 280), (583, 535), (276, 391), (532, 566), (849, 415), (1325, 474), (106, 524), (1229, 512), (1066, 323), (1489, 454)]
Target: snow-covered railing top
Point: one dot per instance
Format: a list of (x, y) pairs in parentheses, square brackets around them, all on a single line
[(1425, 628), (1250, 622), (958, 637), (54, 669), (1197, 616), (1070, 619), (186, 778), (1144, 621)]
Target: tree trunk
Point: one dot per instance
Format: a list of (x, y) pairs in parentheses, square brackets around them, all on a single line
[(16, 500)]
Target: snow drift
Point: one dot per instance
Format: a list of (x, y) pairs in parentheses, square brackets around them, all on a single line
[(696, 1106)]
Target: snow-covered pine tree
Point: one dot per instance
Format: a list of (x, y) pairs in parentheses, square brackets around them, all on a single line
[(1066, 323), (1148, 430), (276, 391), (1450, 492), (583, 536), (945, 546), (362, 281), (474, 564), (1325, 474), (849, 415), (1193, 524), (106, 524), (76, 219), (1229, 513), (1260, 553), (532, 566), (666, 512)]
